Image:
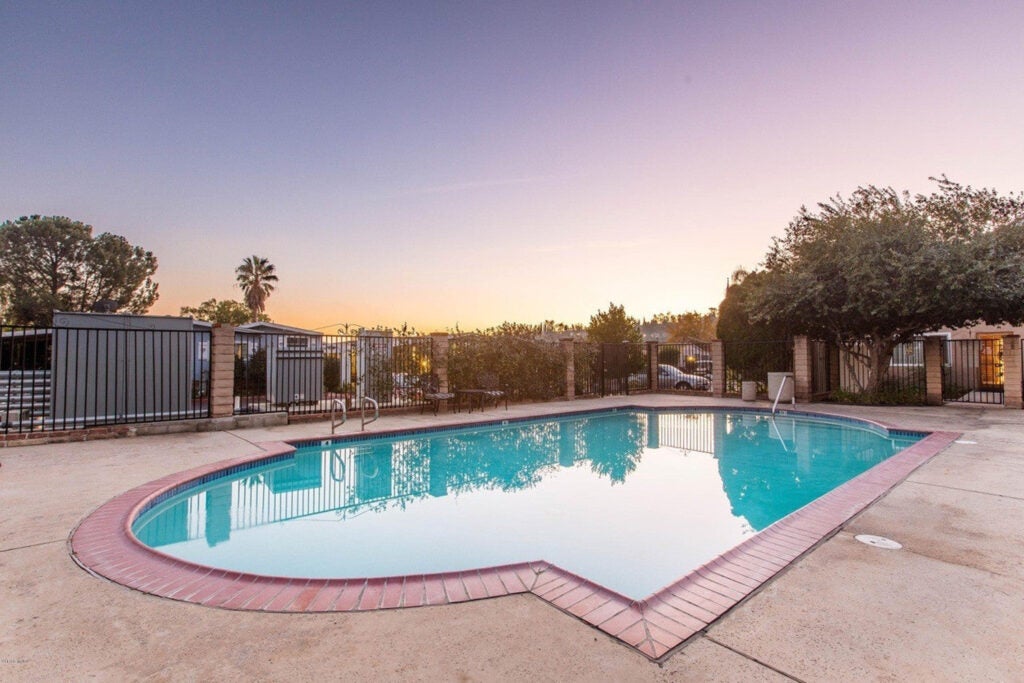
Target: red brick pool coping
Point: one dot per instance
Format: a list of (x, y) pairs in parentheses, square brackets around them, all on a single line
[(104, 546)]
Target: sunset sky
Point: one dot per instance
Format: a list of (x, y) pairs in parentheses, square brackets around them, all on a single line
[(448, 164)]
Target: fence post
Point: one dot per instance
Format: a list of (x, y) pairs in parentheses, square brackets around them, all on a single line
[(718, 368), (652, 365), (222, 371), (803, 369), (1013, 374), (439, 362), (568, 351), (933, 371)]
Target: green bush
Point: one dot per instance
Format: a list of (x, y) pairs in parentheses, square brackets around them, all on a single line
[(527, 369)]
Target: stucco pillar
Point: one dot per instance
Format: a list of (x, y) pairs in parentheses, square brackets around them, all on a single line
[(439, 361), (222, 371), (803, 369), (568, 352), (1013, 375), (933, 370), (717, 368)]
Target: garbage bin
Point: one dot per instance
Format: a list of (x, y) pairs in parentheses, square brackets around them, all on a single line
[(748, 391), (775, 380)]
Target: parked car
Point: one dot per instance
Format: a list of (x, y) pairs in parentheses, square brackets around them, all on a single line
[(671, 377)]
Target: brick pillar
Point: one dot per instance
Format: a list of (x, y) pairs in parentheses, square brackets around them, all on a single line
[(222, 371), (803, 369), (718, 368), (933, 370), (652, 364), (439, 362), (568, 352), (1013, 374)]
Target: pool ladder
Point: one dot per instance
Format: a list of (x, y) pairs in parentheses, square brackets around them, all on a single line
[(340, 403)]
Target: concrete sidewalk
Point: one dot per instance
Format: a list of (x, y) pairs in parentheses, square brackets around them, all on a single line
[(945, 607)]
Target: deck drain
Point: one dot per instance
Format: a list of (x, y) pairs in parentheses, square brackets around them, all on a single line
[(965, 442), (878, 541)]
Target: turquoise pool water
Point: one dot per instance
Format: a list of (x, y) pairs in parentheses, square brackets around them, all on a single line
[(630, 499)]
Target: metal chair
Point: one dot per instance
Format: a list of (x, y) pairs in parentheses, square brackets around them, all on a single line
[(488, 382), (432, 393)]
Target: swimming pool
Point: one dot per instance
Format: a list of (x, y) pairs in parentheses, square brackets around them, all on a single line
[(364, 483), (631, 499)]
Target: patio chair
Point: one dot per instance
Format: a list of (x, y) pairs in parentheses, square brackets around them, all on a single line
[(488, 383), (433, 394)]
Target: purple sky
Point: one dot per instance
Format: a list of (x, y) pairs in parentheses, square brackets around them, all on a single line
[(469, 163)]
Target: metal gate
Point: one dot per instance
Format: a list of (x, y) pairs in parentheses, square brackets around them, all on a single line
[(625, 367), (972, 370)]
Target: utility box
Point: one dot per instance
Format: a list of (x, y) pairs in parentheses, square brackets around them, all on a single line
[(295, 375), (775, 382)]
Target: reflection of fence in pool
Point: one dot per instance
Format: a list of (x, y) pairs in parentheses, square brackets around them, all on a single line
[(352, 480)]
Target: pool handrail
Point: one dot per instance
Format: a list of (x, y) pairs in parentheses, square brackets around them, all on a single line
[(778, 394), (335, 403), (376, 411)]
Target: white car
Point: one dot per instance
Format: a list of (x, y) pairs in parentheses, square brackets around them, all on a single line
[(671, 377)]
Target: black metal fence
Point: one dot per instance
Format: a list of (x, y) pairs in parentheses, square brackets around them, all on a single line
[(972, 371), (607, 369), (689, 366), (907, 381), (904, 382), (58, 378), (587, 368), (752, 361), (302, 373)]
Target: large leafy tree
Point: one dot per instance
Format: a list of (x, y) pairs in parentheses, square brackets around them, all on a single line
[(613, 326), (881, 267), (52, 263), (226, 312), (256, 277), (736, 314)]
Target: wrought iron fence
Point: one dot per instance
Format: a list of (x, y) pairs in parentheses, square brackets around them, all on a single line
[(972, 370), (751, 361), (904, 382), (587, 368), (627, 367), (692, 360), (59, 378), (302, 373), (606, 369)]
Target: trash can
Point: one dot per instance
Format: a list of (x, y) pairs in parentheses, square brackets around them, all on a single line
[(775, 380), (748, 391)]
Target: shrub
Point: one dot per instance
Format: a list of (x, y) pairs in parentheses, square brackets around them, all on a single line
[(527, 369)]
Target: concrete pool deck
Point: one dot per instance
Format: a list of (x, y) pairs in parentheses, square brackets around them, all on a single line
[(945, 607)]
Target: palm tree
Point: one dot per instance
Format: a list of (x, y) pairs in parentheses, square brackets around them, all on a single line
[(255, 276)]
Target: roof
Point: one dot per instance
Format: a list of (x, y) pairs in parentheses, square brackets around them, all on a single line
[(276, 328)]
